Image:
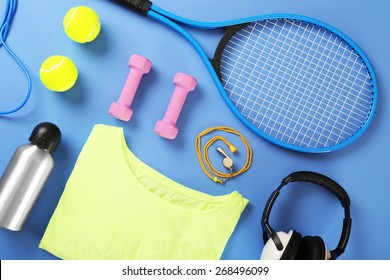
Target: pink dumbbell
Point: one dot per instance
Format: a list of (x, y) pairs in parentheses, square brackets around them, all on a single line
[(139, 66), (167, 126)]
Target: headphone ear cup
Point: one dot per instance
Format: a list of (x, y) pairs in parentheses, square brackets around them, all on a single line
[(292, 247), (312, 248), (290, 242)]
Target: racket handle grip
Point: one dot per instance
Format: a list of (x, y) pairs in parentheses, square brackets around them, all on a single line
[(167, 126), (139, 66)]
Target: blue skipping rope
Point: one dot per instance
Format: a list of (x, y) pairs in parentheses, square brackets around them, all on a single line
[(9, 13)]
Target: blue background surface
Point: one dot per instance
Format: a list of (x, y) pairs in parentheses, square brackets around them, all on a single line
[(361, 168)]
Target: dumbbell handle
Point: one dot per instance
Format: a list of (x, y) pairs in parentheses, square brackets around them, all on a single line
[(131, 85), (176, 104)]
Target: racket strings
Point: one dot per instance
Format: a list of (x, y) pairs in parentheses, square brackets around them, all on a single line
[(297, 82), (286, 83), (271, 51), (282, 65), (307, 102)]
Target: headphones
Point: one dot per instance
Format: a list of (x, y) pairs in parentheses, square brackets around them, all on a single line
[(291, 245)]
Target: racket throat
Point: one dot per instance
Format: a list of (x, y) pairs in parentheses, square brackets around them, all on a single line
[(230, 31), (140, 6)]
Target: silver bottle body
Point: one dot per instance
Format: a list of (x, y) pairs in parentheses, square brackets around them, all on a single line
[(21, 184)]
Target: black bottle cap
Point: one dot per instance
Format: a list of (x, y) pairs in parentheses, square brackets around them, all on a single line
[(46, 135)]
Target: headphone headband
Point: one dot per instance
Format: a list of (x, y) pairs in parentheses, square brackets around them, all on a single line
[(320, 180)]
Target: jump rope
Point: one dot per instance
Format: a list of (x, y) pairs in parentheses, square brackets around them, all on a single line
[(6, 21)]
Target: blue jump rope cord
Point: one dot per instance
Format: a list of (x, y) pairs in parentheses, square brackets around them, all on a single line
[(9, 13)]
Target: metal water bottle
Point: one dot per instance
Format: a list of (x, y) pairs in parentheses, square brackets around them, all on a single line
[(26, 174)]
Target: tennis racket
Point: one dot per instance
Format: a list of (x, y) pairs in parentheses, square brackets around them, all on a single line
[(295, 81)]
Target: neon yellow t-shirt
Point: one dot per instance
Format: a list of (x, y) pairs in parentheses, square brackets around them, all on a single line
[(116, 207)]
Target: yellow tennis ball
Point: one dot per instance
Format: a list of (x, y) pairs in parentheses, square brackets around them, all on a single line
[(58, 73), (81, 24)]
